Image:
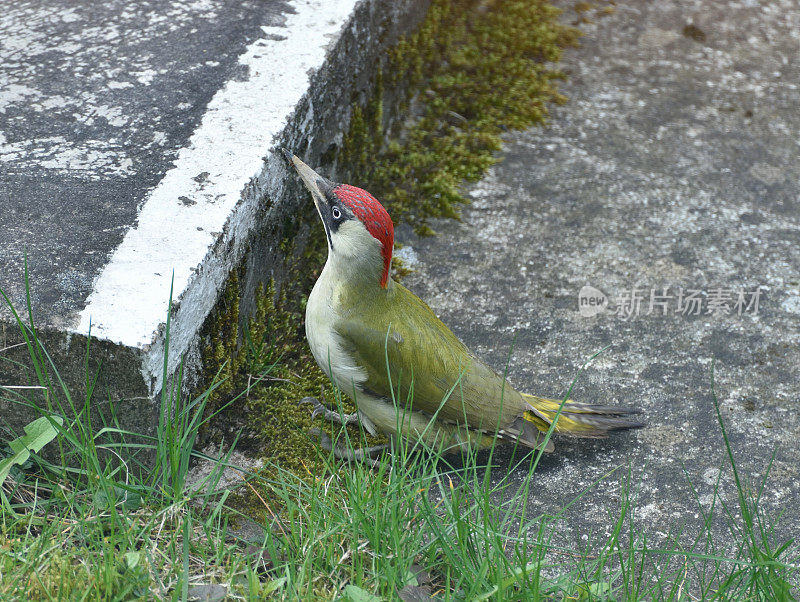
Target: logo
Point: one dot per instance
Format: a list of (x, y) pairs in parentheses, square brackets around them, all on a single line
[(666, 301), (591, 301)]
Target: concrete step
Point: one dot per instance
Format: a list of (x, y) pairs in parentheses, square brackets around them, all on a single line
[(137, 156)]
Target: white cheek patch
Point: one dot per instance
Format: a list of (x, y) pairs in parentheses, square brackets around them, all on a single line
[(352, 239), (355, 254)]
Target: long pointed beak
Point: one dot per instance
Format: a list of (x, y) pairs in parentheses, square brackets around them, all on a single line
[(317, 185)]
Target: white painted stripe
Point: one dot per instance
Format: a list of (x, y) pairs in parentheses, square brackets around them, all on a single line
[(240, 124)]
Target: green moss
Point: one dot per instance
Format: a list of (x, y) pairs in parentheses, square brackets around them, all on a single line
[(471, 71), (221, 335), (277, 345)]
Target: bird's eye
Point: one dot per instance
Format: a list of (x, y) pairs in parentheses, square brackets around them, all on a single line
[(336, 213)]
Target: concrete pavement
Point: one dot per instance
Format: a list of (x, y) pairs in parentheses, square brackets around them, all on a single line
[(674, 166)]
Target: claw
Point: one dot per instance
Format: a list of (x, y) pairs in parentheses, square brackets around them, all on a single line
[(367, 455), (324, 440), (328, 413)]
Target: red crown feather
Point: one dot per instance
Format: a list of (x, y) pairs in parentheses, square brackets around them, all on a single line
[(375, 219)]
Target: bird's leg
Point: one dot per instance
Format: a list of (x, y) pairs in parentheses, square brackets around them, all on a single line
[(328, 413), (368, 455)]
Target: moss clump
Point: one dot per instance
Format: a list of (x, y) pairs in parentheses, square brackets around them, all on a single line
[(473, 70), (275, 347), (271, 367), (275, 371), (221, 333)]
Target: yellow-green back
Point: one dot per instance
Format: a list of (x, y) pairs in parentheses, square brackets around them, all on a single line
[(394, 324)]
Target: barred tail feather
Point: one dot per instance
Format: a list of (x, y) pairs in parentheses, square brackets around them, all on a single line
[(579, 419)]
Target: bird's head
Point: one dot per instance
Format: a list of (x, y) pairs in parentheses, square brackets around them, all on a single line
[(359, 230)]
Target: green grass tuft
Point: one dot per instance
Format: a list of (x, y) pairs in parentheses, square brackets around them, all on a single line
[(89, 528)]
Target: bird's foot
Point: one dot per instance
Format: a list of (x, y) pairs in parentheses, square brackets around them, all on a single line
[(329, 414), (367, 455)]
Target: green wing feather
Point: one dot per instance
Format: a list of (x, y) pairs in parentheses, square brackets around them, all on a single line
[(424, 355)]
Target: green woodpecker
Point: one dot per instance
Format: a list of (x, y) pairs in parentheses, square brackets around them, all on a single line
[(407, 373)]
